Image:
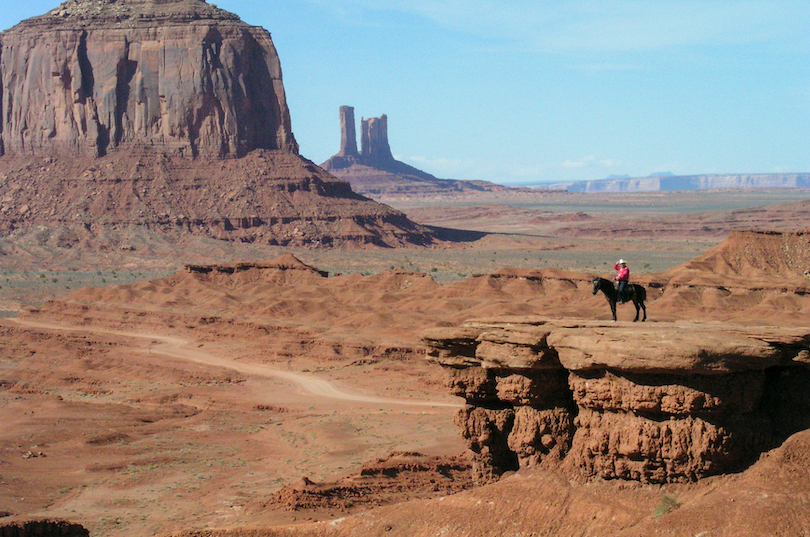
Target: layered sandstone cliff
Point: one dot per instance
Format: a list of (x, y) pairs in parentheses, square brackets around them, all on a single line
[(662, 403), (168, 116), (92, 76)]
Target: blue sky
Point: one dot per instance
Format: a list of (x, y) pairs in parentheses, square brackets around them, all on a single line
[(512, 91)]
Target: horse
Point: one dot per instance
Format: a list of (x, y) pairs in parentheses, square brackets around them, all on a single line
[(633, 292)]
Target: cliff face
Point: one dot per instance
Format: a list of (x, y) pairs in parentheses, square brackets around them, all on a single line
[(94, 76), (665, 403)]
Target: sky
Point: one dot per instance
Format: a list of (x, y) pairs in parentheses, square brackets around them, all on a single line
[(520, 92)]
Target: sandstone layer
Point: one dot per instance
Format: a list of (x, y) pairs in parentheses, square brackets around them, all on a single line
[(270, 197), (665, 403), (166, 115)]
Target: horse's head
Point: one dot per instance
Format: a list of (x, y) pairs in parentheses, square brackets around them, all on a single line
[(596, 282)]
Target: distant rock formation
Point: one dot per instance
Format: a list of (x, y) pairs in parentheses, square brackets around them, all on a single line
[(169, 115), (348, 135), (375, 172), (375, 150), (666, 181), (661, 403), (374, 144)]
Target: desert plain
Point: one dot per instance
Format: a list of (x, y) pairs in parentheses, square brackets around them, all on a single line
[(184, 387)]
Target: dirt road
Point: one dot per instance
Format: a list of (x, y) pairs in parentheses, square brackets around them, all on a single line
[(182, 348)]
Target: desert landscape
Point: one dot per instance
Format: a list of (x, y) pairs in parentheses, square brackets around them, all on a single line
[(205, 334)]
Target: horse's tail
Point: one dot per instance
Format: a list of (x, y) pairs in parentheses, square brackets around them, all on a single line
[(641, 293)]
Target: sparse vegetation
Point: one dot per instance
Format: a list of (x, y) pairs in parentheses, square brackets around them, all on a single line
[(668, 504)]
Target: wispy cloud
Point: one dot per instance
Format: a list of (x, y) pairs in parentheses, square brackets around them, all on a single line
[(599, 25)]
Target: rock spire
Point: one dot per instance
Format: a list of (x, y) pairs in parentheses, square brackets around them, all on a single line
[(374, 143), (348, 135)]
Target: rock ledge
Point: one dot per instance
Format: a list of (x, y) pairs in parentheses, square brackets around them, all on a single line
[(665, 402)]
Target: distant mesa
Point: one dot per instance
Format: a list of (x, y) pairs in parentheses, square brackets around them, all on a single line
[(667, 181), (166, 116), (373, 171)]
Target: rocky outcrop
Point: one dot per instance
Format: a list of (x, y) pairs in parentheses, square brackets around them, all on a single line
[(374, 142), (348, 136), (663, 403), (398, 477), (375, 152), (94, 76)]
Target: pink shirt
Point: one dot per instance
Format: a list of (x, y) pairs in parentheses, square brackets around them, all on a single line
[(623, 272)]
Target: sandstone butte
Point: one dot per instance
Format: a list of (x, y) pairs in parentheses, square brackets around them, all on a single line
[(373, 171), (168, 116)]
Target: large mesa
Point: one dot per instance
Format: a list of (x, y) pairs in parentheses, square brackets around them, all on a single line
[(167, 115)]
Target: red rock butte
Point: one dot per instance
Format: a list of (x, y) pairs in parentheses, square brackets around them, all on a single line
[(100, 92), (94, 76)]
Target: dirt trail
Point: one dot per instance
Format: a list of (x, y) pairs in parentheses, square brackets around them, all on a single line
[(179, 348)]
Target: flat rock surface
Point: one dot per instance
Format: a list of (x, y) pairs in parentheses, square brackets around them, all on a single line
[(666, 347)]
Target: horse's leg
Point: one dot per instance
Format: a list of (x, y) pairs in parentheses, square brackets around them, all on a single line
[(613, 309), (645, 312), (635, 303)]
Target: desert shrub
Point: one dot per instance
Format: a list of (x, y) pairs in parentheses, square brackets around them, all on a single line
[(668, 504)]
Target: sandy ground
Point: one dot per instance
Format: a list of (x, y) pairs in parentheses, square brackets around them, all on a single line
[(168, 432)]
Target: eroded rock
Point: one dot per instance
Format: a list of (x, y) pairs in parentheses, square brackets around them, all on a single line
[(659, 403)]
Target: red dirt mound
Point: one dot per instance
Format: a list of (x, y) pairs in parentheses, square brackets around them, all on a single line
[(750, 257)]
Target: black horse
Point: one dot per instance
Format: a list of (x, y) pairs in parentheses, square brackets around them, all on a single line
[(633, 292)]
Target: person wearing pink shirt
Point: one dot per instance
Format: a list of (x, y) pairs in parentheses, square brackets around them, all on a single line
[(622, 276)]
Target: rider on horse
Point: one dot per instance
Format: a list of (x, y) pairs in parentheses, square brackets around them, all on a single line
[(622, 276)]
